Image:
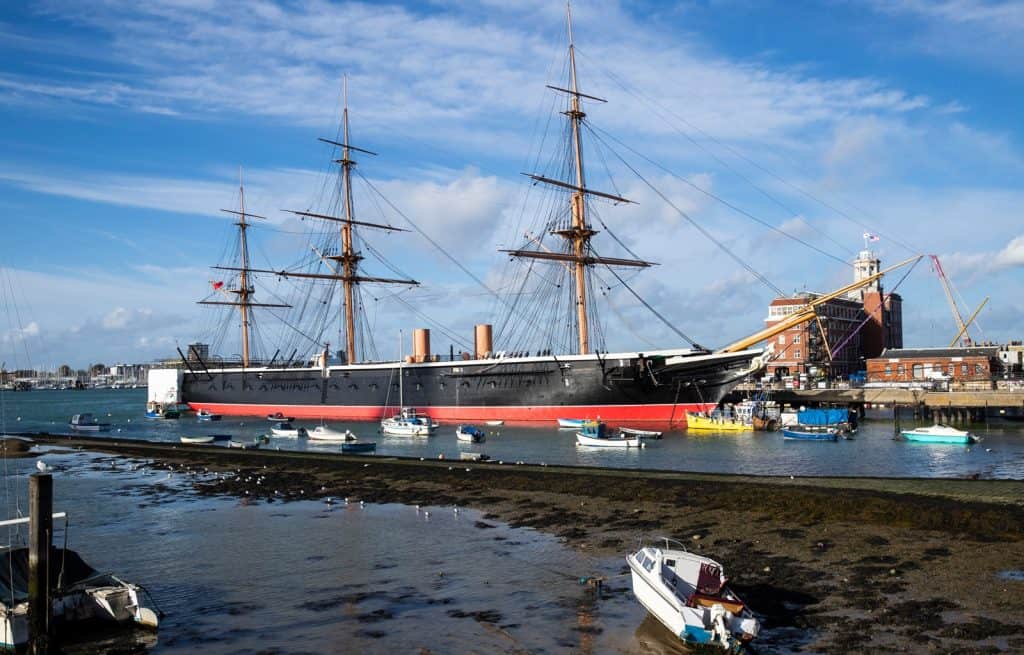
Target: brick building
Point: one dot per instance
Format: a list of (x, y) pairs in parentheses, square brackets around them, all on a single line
[(920, 364), (847, 332)]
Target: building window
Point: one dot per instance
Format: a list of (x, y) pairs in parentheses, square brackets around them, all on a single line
[(918, 370), (963, 370), (888, 370), (796, 339), (782, 339), (978, 370), (901, 370), (796, 354), (952, 370)]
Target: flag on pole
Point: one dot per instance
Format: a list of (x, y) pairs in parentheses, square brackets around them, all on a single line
[(870, 237), (218, 285)]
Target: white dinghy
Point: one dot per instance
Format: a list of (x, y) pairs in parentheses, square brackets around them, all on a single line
[(687, 593)]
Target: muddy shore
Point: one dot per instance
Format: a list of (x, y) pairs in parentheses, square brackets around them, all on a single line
[(865, 565)]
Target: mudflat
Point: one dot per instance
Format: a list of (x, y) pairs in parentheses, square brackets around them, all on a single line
[(859, 564)]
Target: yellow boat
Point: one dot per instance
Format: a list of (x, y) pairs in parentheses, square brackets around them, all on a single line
[(717, 424)]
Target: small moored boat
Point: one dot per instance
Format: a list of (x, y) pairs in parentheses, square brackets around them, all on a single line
[(688, 594), (407, 423), (358, 446), (285, 429), (810, 433), (470, 434), (86, 423), (643, 434), (324, 433), (594, 434), (198, 440), (495, 423), (571, 423), (716, 423), (245, 445), (280, 418), (939, 434), (205, 415), (84, 596)]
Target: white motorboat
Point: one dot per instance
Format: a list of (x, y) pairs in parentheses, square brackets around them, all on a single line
[(324, 433), (495, 423), (687, 593), (85, 596), (86, 423), (571, 423), (286, 429), (470, 434), (643, 434), (407, 423)]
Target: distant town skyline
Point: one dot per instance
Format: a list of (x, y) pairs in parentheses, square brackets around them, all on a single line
[(124, 127)]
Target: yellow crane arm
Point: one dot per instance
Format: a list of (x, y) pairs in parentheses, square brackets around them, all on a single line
[(808, 311), (963, 328)]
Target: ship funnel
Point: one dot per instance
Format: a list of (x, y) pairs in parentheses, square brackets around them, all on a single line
[(482, 342), (421, 344)]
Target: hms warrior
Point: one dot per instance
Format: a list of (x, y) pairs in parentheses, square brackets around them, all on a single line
[(650, 386)]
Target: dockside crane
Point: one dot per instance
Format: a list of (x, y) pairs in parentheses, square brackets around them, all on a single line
[(962, 325)]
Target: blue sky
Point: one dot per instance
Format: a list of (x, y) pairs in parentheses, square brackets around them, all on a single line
[(123, 126)]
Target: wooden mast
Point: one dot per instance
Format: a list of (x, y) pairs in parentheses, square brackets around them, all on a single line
[(243, 287), (349, 258), (580, 234), (245, 291)]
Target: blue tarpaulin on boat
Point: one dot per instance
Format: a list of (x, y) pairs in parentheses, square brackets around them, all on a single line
[(822, 416)]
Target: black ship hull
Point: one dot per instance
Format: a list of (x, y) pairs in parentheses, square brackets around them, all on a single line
[(633, 387)]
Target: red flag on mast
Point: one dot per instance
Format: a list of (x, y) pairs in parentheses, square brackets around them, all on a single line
[(217, 285)]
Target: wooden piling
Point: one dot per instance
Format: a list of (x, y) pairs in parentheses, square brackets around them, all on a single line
[(40, 531)]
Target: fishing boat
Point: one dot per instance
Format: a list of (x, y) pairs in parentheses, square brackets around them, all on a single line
[(206, 415), (286, 429), (469, 434), (688, 594), (83, 596), (643, 434), (572, 423), (86, 423), (204, 439), (810, 433), (595, 435), (716, 423), (939, 434), (278, 417), (159, 411)]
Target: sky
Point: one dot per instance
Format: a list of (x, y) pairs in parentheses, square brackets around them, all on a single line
[(784, 131)]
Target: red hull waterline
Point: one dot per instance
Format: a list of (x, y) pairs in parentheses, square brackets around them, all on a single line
[(613, 414)]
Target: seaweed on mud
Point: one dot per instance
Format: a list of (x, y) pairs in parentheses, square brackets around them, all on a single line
[(980, 628), (480, 616), (922, 614)]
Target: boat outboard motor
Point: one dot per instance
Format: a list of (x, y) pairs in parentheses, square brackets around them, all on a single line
[(719, 630)]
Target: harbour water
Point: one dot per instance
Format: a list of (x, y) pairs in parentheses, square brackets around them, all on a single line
[(873, 452)]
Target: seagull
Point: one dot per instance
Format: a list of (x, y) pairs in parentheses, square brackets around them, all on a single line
[(41, 465), (456, 510)]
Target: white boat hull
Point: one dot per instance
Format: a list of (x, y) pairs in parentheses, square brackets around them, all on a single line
[(608, 442), (326, 434)]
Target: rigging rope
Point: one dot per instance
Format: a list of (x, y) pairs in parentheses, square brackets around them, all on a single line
[(694, 223)]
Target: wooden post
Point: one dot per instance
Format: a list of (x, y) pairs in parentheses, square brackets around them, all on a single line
[(40, 513), (896, 419)]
